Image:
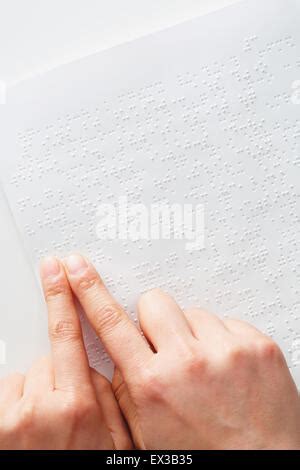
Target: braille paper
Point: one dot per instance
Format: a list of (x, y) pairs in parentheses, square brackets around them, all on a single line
[(203, 114)]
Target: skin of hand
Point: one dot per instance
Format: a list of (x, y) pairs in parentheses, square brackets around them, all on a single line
[(193, 381), (61, 403)]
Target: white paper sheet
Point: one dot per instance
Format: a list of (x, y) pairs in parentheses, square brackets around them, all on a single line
[(205, 113)]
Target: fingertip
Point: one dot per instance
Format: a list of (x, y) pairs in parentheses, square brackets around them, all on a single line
[(53, 278), (76, 264), (81, 274), (50, 266)]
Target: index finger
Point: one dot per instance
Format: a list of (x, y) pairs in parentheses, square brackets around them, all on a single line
[(71, 368), (119, 335)]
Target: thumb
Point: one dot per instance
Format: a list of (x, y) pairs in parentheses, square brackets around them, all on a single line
[(111, 412), (128, 408)]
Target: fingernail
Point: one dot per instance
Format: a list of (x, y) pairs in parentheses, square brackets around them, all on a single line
[(75, 264), (50, 267)]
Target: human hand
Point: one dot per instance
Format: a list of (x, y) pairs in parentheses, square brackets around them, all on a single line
[(61, 403), (205, 383)]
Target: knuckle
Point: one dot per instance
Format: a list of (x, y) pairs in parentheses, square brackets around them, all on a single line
[(70, 410), (241, 356), (269, 350), (151, 387), (237, 356), (107, 316), (76, 409), (63, 330), (56, 289), (87, 281), (196, 366)]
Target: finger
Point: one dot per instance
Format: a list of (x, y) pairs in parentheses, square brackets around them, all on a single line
[(128, 408), (111, 412), (40, 377), (163, 321), (11, 389), (119, 335), (70, 363), (242, 329), (205, 325)]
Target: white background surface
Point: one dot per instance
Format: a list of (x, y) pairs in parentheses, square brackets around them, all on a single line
[(36, 36)]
